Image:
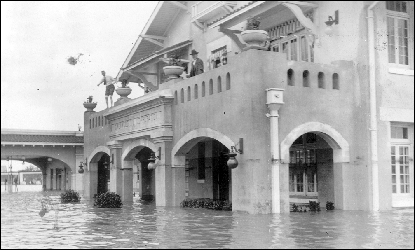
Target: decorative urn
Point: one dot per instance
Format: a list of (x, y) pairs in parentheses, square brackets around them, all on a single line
[(173, 71), (90, 106), (123, 92)]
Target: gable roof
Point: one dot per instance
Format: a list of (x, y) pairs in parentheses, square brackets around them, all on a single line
[(158, 25)]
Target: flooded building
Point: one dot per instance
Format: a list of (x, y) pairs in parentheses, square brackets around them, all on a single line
[(321, 109), (56, 153)]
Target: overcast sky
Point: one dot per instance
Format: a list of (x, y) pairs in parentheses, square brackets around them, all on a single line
[(39, 88)]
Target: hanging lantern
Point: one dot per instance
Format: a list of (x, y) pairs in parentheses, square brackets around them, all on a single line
[(152, 165), (232, 162), (81, 169)]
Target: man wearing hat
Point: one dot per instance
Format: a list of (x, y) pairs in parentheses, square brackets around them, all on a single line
[(197, 64)]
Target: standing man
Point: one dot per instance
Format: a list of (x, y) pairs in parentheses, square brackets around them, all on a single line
[(109, 83), (197, 64)]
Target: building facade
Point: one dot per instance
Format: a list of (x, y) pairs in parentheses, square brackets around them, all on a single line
[(323, 111), (56, 153)]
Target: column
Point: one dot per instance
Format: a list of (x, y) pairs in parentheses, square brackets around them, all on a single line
[(44, 176), (178, 179), (115, 167), (164, 196), (127, 181), (274, 102), (64, 178)]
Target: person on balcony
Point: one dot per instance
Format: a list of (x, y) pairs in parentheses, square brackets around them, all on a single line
[(197, 66), (109, 83)]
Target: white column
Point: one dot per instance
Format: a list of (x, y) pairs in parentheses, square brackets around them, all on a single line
[(274, 102), (63, 179)]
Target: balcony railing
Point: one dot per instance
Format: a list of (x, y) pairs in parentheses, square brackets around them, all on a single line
[(205, 10)]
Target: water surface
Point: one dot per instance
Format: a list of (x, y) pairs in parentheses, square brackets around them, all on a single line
[(143, 225)]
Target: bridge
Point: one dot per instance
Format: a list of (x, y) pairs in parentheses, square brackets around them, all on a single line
[(56, 153)]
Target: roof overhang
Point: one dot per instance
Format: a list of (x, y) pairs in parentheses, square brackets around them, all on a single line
[(258, 8), (151, 39)]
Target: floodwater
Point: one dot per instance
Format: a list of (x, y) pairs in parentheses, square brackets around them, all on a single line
[(143, 225)]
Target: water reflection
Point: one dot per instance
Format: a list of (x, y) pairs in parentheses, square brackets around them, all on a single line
[(142, 225)]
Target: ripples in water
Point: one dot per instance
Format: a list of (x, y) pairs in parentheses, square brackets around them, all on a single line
[(143, 225)]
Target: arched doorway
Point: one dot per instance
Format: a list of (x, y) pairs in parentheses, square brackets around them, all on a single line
[(95, 167), (206, 172), (146, 177), (103, 184), (311, 176)]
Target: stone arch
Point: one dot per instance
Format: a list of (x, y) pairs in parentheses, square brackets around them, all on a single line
[(134, 147), (178, 156), (199, 134), (336, 141), (97, 153)]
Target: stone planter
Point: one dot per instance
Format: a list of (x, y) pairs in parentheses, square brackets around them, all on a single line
[(255, 38), (90, 106), (123, 92), (173, 72)]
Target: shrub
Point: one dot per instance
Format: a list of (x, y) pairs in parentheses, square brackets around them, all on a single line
[(108, 200), (329, 205), (314, 206), (70, 196), (207, 203), (295, 208)]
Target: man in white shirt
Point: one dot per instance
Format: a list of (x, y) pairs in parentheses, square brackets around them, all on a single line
[(109, 90)]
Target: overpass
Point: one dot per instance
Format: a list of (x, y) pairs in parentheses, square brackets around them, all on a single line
[(56, 153)]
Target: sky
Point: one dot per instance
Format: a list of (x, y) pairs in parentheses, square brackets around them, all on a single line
[(39, 88)]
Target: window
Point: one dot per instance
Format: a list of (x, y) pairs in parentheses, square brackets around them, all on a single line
[(336, 81), (306, 76), (290, 77), (228, 81), (218, 58), (188, 93), (203, 89), (176, 101), (295, 46), (399, 132), (303, 166), (398, 29), (182, 95), (321, 83), (219, 84), (400, 169), (210, 87), (196, 90)]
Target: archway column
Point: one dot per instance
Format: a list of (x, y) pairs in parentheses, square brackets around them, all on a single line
[(178, 179), (116, 178), (127, 181), (44, 176), (163, 173)]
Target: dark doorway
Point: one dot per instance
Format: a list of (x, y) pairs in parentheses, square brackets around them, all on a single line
[(147, 177), (103, 174), (59, 179), (220, 171)]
